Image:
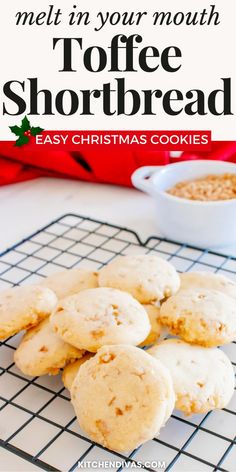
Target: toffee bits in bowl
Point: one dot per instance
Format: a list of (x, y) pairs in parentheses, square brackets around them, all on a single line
[(208, 188)]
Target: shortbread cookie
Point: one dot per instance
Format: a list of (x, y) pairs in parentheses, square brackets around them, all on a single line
[(24, 307), (201, 316), (203, 378), (209, 281), (71, 370), (42, 352), (100, 316), (147, 278), (71, 281), (122, 397), (157, 329)]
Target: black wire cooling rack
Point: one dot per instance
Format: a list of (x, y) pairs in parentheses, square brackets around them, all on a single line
[(38, 428)]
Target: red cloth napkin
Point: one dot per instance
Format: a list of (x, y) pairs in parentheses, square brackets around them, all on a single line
[(114, 166)]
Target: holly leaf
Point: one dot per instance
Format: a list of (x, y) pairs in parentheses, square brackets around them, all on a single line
[(35, 130), (25, 124), (25, 131), (22, 140), (16, 130)]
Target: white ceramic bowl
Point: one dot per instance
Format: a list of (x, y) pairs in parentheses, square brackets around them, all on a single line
[(202, 224)]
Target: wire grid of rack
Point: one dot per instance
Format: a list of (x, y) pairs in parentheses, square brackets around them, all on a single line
[(38, 428)]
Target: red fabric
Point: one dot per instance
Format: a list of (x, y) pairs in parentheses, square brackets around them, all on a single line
[(220, 151), (116, 166)]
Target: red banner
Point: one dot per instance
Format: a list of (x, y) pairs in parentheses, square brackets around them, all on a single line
[(145, 140)]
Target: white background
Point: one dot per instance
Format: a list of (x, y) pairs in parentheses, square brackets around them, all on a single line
[(208, 55), (28, 206)]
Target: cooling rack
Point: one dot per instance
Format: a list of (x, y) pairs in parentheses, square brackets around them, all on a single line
[(38, 429)]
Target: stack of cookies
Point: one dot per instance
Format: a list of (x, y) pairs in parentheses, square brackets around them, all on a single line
[(92, 326)]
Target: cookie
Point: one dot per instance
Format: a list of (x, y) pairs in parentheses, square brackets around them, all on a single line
[(209, 281), (71, 370), (147, 278), (24, 307), (122, 397), (71, 281), (157, 329), (203, 378), (100, 316), (201, 316), (42, 352)]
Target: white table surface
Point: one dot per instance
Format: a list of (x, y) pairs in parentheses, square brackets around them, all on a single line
[(28, 206)]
